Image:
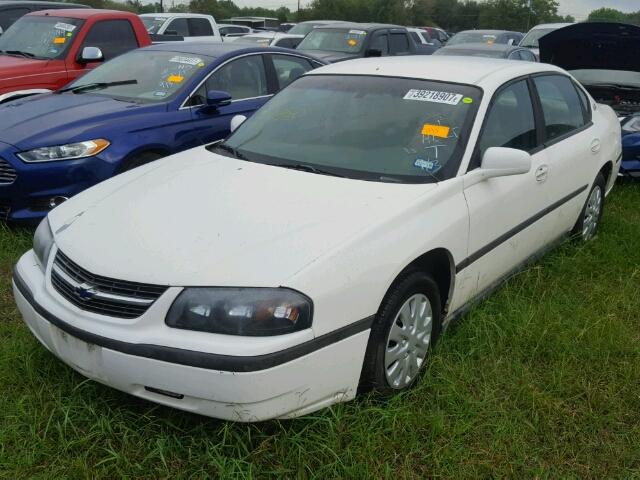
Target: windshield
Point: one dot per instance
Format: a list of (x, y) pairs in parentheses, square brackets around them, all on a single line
[(362, 127), (473, 37), (607, 77), (532, 38), (302, 29), (40, 37), (159, 75), (334, 40), (470, 52), (153, 24)]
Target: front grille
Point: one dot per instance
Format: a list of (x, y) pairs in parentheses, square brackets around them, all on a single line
[(8, 174), (93, 293)]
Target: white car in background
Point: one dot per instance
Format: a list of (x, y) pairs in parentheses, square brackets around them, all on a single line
[(530, 40), (290, 39), (325, 245), (190, 26)]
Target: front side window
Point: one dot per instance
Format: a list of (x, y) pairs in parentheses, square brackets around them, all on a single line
[(242, 78), (289, 68), (560, 105), (362, 127), (510, 122), (113, 37), (179, 27), (334, 40), (40, 37), (380, 43), (152, 75)]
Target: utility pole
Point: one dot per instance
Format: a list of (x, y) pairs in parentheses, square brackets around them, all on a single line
[(298, 11)]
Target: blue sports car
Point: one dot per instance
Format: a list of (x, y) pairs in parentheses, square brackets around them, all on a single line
[(631, 146), (139, 107)]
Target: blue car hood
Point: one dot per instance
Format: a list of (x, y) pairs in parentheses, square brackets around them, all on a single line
[(56, 119)]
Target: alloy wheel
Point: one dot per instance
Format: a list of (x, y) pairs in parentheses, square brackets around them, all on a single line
[(592, 214)]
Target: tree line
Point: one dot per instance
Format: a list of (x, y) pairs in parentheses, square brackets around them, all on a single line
[(452, 15)]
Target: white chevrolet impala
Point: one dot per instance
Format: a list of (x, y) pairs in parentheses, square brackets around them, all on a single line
[(322, 248)]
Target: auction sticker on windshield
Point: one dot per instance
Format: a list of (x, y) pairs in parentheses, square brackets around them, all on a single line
[(65, 27), (186, 60), (433, 96)]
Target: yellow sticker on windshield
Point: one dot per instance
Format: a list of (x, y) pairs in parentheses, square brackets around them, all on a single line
[(352, 42), (175, 78), (435, 130), (59, 40)]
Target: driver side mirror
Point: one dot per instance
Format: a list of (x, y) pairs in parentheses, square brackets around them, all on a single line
[(91, 54), (373, 52), (500, 162), (511, 42), (218, 98)]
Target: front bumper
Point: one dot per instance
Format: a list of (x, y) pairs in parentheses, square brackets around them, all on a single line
[(286, 383)]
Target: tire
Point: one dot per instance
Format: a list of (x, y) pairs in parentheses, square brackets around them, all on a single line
[(591, 214), (393, 363), (139, 160)]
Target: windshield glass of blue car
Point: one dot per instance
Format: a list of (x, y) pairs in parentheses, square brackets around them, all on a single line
[(40, 37), (149, 76), (342, 40), (362, 127)]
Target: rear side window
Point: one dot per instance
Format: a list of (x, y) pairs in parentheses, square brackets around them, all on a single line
[(561, 106), (399, 43), (584, 100), (179, 27), (511, 122), (113, 37), (199, 27), (288, 68)]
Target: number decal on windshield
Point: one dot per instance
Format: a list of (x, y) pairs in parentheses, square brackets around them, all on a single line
[(433, 96)]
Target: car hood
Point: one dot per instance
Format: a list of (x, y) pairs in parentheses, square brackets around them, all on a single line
[(56, 119), (599, 46), (12, 66), (200, 219), (331, 57)]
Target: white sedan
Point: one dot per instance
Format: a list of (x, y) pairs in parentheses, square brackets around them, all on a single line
[(322, 248)]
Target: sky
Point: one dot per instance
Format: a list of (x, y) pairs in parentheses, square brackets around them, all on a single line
[(578, 8)]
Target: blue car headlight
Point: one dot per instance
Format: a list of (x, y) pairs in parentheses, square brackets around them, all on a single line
[(631, 124), (252, 312), (70, 151), (43, 242)]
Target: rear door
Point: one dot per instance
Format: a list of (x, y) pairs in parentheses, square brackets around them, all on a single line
[(507, 221), (246, 80), (572, 145)]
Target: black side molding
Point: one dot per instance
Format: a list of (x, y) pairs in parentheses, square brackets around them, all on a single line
[(209, 361), (517, 229)]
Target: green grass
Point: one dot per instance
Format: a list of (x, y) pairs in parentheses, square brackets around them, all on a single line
[(541, 380)]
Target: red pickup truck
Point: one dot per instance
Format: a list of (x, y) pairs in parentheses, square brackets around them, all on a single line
[(45, 50)]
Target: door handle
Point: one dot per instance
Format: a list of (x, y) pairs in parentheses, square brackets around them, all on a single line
[(541, 173), (595, 145)]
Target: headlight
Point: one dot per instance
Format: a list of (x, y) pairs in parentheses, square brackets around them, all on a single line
[(65, 152), (252, 312), (632, 124), (43, 242)]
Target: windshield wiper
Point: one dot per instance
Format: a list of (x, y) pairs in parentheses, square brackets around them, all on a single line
[(233, 151), (96, 86), (18, 52), (309, 168)]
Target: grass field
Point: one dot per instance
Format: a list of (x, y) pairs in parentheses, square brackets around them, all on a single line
[(541, 380)]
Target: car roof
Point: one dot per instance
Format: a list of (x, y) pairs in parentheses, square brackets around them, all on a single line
[(82, 13), (171, 15), (17, 3), (360, 26), (216, 50), (493, 47), (489, 32), (487, 73), (551, 25)]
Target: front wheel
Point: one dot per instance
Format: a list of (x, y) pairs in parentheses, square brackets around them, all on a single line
[(591, 215), (403, 334)]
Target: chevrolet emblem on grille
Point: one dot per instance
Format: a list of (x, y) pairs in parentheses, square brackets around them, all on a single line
[(85, 292)]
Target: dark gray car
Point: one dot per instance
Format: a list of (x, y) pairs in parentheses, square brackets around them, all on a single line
[(12, 11), (490, 51)]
